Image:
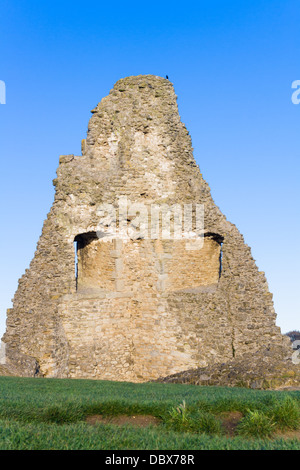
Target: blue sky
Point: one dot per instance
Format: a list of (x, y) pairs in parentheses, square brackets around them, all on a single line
[(232, 64)]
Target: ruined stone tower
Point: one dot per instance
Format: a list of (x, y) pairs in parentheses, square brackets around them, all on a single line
[(141, 308)]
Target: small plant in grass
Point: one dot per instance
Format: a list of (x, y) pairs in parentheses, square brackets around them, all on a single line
[(182, 419), (256, 424), (179, 413), (286, 414), (204, 422)]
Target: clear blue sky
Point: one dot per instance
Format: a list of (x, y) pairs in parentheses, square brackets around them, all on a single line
[(232, 64)]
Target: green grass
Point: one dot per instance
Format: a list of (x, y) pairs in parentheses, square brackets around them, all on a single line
[(286, 414), (183, 419), (256, 424), (51, 414)]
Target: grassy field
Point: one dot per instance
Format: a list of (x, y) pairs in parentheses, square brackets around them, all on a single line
[(53, 413)]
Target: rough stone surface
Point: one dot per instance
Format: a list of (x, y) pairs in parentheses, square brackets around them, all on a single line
[(143, 308), (263, 369)]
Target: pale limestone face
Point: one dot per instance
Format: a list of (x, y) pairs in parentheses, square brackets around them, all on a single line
[(140, 309)]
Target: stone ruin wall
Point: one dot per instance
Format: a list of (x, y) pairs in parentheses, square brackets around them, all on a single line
[(141, 309)]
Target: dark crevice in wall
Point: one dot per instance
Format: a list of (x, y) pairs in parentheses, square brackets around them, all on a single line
[(221, 260), (84, 239), (76, 262), (218, 239), (232, 344), (81, 242), (215, 236)]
